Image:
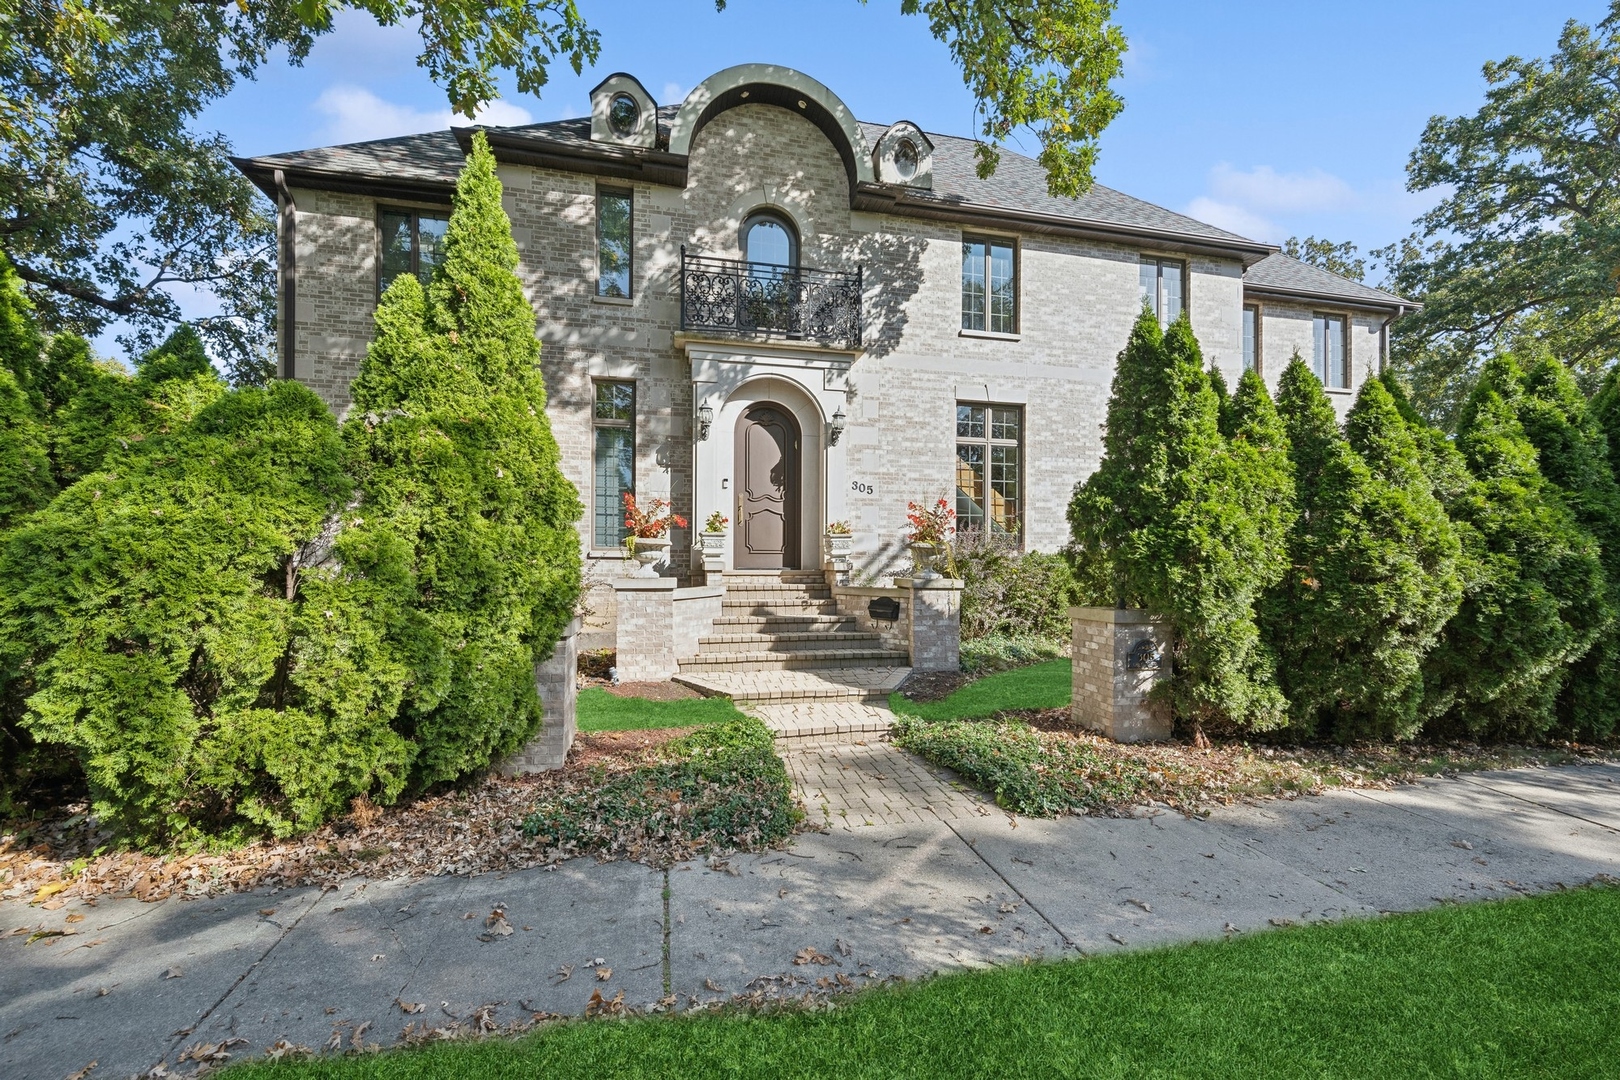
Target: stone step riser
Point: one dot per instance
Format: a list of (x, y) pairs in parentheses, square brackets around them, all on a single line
[(785, 624), (738, 581), (778, 611), (743, 663), (756, 643), (783, 597)]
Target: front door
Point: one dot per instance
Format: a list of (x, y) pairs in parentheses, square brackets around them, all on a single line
[(767, 490)]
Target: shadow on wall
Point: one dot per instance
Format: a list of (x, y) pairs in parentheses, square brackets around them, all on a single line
[(891, 278)]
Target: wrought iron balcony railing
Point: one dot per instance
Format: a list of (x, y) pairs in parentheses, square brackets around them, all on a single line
[(744, 298)]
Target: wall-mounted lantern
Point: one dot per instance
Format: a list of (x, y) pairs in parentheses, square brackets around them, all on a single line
[(705, 420), (835, 430)]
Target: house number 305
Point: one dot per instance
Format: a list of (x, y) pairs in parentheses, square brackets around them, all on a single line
[(864, 489)]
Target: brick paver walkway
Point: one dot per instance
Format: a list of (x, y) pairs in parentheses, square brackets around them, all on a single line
[(850, 785)]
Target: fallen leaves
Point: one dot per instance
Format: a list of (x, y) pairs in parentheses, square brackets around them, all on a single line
[(282, 1050), (496, 926), (809, 955), (711, 985), (210, 1053), (74, 918), (562, 974), (601, 1006), (410, 1008), (603, 974), (173, 973), (82, 1073)]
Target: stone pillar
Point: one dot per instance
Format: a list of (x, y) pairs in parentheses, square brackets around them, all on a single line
[(556, 680), (645, 632), (936, 623), (1119, 656)]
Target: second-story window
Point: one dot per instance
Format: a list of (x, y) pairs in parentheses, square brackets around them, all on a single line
[(614, 465), (989, 285), (989, 468), (412, 242), (614, 214), (1251, 338), (1328, 351), (1163, 287)]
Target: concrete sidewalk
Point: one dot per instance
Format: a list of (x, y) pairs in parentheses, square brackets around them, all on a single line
[(892, 898)]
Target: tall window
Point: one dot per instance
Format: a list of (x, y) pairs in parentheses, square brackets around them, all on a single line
[(989, 468), (614, 469), (412, 242), (1251, 339), (989, 285), (1163, 287), (613, 243), (767, 239), (1328, 351)]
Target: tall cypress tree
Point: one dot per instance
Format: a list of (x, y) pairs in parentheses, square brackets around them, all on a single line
[(1170, 509), (1573, 454), (26, 483), (460, 472), (1538, 600)]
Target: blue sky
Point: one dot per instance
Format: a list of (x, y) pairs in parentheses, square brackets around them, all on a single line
[(1272, 119)]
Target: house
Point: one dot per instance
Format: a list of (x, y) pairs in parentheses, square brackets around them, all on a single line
[(752, 302)]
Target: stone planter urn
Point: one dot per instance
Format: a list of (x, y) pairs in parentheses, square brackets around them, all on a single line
[(924, 557), (712, 544), (650, 551), (839, 545)]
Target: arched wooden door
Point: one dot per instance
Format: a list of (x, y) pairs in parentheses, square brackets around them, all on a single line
[(767, 490)]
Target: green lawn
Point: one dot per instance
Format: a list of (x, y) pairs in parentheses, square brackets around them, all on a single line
[(602, 711), (1514, 988), (1039, 686)]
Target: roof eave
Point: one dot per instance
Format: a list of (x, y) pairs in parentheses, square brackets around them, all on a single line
[(625, 163), (884, 198), (262, 173), (1395, 303)]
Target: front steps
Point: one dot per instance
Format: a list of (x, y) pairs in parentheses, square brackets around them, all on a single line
[(780, 640)]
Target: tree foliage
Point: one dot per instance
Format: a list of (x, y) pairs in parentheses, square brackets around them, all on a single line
[(1338, 259), (1373, 574), (1522, 245), (1538, 598), (460, 472), (1189, 523)]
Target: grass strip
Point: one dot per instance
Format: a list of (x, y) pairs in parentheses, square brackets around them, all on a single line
[(599, 710), (1039, 686), (1522, 987)]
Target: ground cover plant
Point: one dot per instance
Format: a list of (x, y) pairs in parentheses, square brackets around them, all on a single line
[(1521, 987), (720, 787), (1046, 685), (600, 710), (999, 652)]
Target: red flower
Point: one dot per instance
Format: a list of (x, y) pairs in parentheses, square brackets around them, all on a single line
[(652, 523)]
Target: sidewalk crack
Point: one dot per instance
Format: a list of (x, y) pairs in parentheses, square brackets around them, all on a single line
[(1067, 940)]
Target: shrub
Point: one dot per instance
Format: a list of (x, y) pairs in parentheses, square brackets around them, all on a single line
[(1190, 525), (26, 483), (1538, 598), (1011, 594), (461, 481), (720, 788), (178, 625), (1373, 567), (988, 655)]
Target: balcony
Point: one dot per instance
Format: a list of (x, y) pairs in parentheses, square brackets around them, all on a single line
[(746, 299)]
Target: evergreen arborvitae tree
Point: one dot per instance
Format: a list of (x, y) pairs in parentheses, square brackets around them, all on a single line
[(1538, 601), (1173, 509), (1573, 453), (1605, 411), (1442, 462), (1223, 400), (26, 483), (20, 340), (459, 471)]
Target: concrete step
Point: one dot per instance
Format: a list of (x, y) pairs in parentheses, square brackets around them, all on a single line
[(813, 722), (785, 642), (871, 685), (784, 577), (771, 596), (771, 624), (786, 661), (776, 609)]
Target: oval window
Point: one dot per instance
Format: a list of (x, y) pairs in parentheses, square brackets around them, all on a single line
[(623, 113), (905, 159), (769, 239)]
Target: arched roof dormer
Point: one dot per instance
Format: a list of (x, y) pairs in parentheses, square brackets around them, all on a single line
[(770, 84)]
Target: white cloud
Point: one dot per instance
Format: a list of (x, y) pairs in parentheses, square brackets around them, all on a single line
[(674, 94), (1233, 218), (355, 114), (1264, 188)]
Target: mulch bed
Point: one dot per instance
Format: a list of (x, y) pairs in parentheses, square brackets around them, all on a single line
[(926, 686), (648, 691), (470, 830)]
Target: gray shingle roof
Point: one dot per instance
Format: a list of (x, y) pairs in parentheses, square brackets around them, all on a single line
[(1019, 185), (1283, 274)]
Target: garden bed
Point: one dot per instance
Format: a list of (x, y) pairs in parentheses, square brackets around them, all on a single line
[(1036, 762), (473, 829)]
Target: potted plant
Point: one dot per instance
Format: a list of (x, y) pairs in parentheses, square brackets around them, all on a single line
[(712, 540), (838, 539), (931, 530), (648, 542)]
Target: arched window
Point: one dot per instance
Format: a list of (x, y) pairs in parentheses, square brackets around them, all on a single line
[(769, 238)]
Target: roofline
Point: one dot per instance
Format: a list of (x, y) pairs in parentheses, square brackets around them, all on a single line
[(907, 202), (1399, 305), (623, 162), (263, 175)]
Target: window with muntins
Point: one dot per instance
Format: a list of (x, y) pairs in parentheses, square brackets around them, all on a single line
[(410, 242), (1328, 351), (614, 215), (1162, 284), (989, 285), (613, 471), (989, 468), (1251, 338)]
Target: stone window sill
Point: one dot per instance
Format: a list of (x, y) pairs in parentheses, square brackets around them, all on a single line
[(617, 301), (990, 335), (1345, 390)]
